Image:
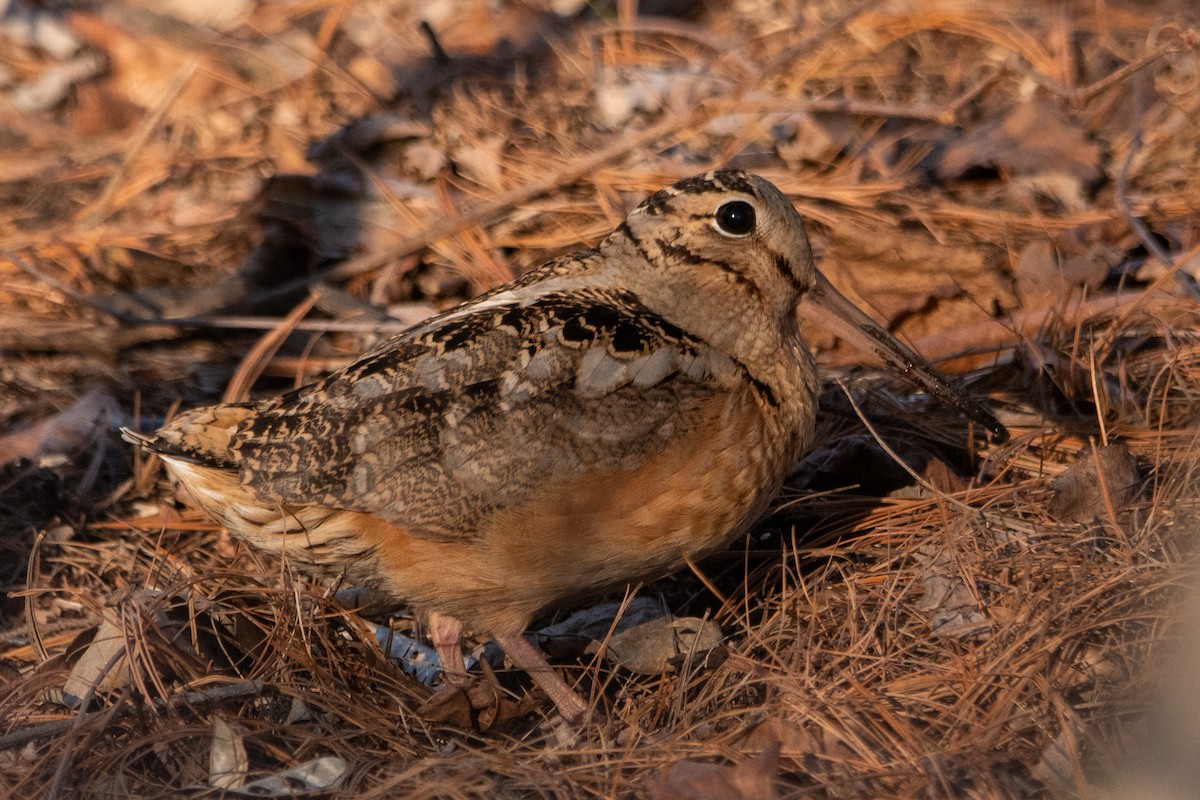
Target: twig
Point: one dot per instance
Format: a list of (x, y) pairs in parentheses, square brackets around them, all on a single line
[(943, 113), (1186, 40), (439, 53), (230, 691)]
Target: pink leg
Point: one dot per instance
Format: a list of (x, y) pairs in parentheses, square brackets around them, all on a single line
[(446, 633), (526, 656)]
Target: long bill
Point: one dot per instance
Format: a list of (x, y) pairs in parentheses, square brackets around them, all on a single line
[(846, 320)]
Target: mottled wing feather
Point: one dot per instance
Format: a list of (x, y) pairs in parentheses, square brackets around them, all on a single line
[(478, 409)]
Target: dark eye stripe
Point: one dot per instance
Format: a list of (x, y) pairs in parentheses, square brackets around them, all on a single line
[(688, 256), (789, 274)]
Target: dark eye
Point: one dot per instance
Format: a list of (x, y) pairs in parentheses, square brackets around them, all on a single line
[(735, 218)]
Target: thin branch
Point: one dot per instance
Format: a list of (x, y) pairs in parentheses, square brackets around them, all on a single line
[(1186, 40), (23, 736)]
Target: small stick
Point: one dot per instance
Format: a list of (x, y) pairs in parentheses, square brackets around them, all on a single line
[(22, 736)]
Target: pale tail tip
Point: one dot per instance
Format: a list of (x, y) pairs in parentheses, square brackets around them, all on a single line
[(140, 439)]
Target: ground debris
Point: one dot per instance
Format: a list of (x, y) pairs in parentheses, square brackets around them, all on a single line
[(1012, 187)]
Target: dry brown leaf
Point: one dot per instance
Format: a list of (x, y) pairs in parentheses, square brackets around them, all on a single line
[(482, 704), (950, 601), (1049, 271), (812, 745), (801, 138), (652, 647), (102, 667), (480, 161), (66, 433), (227, 760), (98, 110), (1099, 481), (898, 272), (143, 67), (1034, 137), (752, 779), (426, 160)]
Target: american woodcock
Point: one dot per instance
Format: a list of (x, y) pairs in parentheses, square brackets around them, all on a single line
[(605, 418)]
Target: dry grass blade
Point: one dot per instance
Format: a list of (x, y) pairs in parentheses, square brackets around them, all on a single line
[(262, 352)]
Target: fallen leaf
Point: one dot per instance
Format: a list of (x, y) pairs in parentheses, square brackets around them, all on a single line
[(948, 598), (903, 273), (816, 746), (480, 161), (426, 160), (802, 138), (318, 776), (653, 647), (580, 633), (415, 658), (1032, 138), (102, 667), (227, 760), (626, 91), (1107, 477), (27, 25), (449, 705), (1058, 768), (752, 779), (65, 434), (481, 704), (1049, 271), (54, 84), (143, 66)]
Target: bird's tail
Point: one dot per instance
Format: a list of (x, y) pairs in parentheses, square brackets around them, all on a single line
[(199, 436)]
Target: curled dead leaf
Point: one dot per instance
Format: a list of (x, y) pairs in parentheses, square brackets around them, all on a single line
[(654, 647), (227, 760), (1032, 138), (66, 433), (949, 598), (1105, 478), (753, 779), (102, 667), (312, 777)]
